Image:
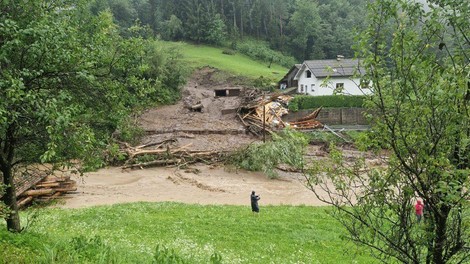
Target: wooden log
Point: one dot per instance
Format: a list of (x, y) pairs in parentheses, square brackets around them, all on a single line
[(71, 189), (39, 192), (65, 186), (158, 151), (312, 115), (241, 119), (26, 200), (166, 141), (47, 185), (56, 195), (52, 178), (152, 163)]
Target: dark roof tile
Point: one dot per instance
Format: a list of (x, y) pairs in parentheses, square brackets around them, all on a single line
[(337, 68)]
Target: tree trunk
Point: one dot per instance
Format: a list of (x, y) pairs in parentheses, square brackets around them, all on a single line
[(241, 23), (153, 17), (441, 237), (13, 219), (234, 16)]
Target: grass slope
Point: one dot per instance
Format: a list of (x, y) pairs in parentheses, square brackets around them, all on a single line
[(130, 233), (236, 64)]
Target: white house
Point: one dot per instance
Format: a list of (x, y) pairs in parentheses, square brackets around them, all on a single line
[(325, 77)]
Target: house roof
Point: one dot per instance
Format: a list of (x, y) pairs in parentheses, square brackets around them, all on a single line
[(333, 68), (294, 68)]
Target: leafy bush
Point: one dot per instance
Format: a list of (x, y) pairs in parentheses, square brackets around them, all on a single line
[(286, 147), (228, 52), (302, 102), (264, 83)]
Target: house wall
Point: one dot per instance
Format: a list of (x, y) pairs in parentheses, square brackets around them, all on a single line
[(290, 79), (314, 86)]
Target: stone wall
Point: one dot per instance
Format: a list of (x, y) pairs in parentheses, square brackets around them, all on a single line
[(333, 116)]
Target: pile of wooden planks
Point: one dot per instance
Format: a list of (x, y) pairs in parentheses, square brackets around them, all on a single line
[(265, 114), (49, 188)]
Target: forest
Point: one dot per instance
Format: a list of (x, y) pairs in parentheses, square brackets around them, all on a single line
[(304, 29)]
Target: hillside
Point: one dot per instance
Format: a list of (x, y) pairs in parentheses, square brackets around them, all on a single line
[(237, 65)]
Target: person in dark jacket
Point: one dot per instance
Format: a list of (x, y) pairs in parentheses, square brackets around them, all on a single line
[(254, 202)]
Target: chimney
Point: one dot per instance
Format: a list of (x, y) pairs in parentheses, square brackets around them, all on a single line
[(339, 57)]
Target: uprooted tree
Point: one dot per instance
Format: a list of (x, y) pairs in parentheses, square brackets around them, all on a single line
[(67, 79), (418, 60)]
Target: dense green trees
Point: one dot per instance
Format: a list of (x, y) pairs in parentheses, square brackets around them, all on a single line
[(418, 59), (67, 79), (306, 29)]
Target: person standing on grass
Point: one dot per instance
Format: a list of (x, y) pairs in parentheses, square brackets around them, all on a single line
[(254, 202), (419, 206)]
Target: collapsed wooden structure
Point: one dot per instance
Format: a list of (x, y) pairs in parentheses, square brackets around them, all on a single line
[(49, 188), (265, 112), (39, 184)]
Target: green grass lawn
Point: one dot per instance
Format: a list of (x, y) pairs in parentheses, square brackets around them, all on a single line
[(130, 233), (237, 64)]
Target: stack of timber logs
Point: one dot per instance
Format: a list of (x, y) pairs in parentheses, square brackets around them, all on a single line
[(49, 188), (265, 114)]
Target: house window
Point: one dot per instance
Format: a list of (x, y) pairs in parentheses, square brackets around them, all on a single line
[(340, 86), (309, 74), (312, 88), (301, 88)]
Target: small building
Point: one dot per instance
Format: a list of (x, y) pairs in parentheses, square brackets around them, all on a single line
[(288, 80), (328, 77)]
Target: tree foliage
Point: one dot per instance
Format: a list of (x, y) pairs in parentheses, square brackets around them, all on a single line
[(286, 147), (67, 80), (306, 29), (417, 58)]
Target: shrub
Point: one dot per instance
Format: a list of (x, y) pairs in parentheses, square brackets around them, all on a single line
[(286, 147), (228, 52), (302, 102)]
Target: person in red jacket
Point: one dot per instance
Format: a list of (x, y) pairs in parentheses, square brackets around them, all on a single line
[(419, 206)]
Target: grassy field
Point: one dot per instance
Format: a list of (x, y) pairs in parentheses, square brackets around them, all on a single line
[(237, 64), (159, 232)]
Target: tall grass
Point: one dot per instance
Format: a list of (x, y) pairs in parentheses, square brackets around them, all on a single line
[(237, 64), (153, 232)]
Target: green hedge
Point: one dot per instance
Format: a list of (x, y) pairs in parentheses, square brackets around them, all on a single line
[(302, 102)]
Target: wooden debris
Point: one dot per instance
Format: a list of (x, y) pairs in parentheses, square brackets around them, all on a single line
[(39, 192), (49, 188), (264, 114), (197, 107), (24, 201), (166, 155)]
